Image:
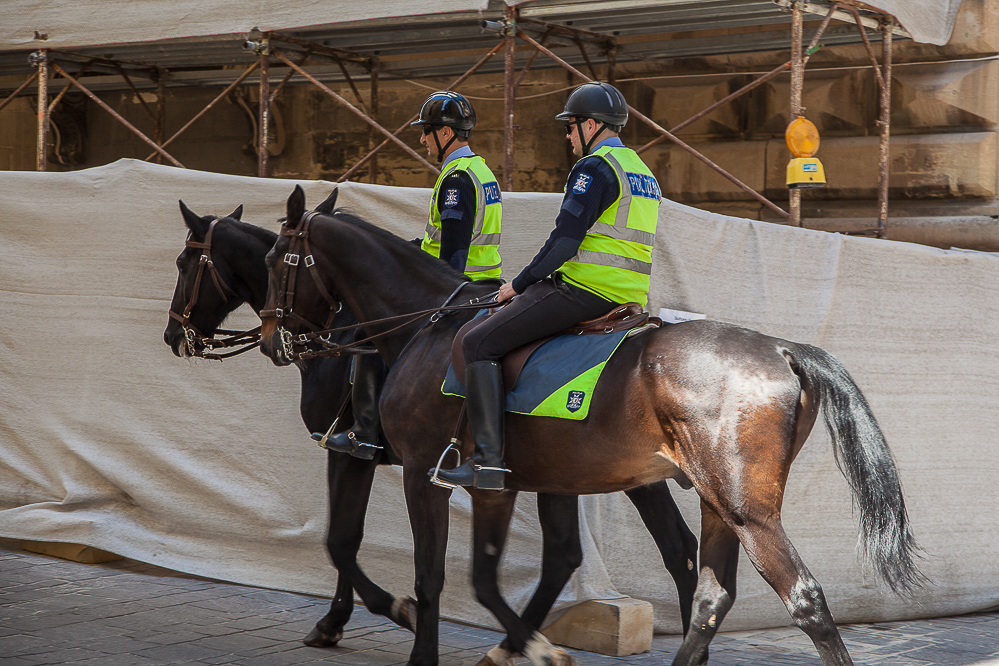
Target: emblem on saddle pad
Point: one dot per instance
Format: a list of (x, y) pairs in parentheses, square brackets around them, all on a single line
[(575, 401)]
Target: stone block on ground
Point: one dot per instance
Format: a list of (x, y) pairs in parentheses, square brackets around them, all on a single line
[(616, 627)]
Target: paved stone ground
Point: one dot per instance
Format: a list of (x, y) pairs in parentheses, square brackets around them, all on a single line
[(131, 614)]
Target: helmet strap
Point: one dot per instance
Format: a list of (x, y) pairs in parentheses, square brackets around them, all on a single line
[(586, 145), (441, 150)]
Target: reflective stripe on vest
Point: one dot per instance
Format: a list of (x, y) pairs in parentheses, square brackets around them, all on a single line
[(483, 252), (615, 258)]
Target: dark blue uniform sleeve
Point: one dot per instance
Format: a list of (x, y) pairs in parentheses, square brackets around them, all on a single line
[(456, 204), (590, 190)]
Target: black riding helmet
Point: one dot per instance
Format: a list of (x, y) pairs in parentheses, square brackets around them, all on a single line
[(600, 101), (446, 108)]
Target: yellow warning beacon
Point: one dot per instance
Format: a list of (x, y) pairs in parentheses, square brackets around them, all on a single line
[(803, 141)]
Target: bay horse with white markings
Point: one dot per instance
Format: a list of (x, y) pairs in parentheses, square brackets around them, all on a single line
[(236, 251), (714, 406)]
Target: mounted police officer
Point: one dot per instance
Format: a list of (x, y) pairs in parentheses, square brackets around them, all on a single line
[(599, 255), (463, 230)]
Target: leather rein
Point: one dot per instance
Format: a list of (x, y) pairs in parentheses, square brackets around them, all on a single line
[(192, 336), (294, 258)]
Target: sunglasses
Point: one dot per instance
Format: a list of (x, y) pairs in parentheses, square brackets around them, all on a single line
[(569, 126), (427, 129)]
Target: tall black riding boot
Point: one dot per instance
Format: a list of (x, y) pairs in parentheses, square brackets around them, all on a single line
[(484, 405), (361, 440)]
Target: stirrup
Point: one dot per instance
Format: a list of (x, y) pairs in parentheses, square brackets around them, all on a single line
[(437, 481), (322, 439), (363, 450)]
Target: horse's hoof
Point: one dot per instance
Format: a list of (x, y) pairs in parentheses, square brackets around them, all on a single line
[(542, 653), (319, 638), (497, 657), (403, 613), (560, 657)]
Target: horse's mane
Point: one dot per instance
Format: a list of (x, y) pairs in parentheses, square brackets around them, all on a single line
[(390, 239), (263, 235)]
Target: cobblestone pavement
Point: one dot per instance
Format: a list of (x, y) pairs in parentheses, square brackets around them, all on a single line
[(127, 613)]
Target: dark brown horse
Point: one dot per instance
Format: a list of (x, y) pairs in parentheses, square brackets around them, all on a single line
[(237, 253), (714, 406)]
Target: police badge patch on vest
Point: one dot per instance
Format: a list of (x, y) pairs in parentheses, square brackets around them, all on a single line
[(450, 198), (582, 183)]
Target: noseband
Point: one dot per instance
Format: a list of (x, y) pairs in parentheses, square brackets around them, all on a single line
[(192, 336), (299, 252)]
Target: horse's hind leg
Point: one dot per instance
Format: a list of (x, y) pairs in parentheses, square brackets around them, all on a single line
[(715, 592), (561, 556), (491, 512), (676, 543), (778, 562)]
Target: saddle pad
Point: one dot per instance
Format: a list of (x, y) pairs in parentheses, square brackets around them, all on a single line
[(558, 378)]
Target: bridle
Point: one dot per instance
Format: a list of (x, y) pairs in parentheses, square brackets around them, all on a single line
[(192, 336), (322, 335), (295, 257)]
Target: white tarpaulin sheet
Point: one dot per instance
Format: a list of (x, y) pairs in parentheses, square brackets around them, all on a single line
[(929, 21), (69, 23), (109, 440)]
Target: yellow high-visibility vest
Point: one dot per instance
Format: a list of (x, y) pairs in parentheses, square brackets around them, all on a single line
[(483, 253), (615, 258)]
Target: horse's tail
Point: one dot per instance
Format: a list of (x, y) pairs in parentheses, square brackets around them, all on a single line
[(863, 457)]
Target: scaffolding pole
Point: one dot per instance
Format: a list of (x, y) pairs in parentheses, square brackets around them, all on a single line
[(454, 84), (884, 125), (264, 108), (21, 88), (509, 69), (797, 88), (117, 116), (669, 135), (41, 60), (353, 109)]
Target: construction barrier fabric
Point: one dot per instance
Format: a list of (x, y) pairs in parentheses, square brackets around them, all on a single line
[(107, 439)]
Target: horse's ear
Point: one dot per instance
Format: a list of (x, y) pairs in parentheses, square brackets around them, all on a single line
[(296, 206), (198, 226), (326, 207), (237, 214)]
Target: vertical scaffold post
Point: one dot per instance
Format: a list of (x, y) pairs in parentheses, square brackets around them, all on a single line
[(372, 132), (41, 60), (797, 86), (265, 106), (508, 97), (884, 123)]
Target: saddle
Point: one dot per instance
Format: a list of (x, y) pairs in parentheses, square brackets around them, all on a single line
[(620, 318)]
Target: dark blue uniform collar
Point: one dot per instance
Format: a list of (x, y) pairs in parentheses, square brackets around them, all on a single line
[(464, 151), (612, 142)]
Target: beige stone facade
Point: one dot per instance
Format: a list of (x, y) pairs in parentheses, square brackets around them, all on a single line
[(944, 164)]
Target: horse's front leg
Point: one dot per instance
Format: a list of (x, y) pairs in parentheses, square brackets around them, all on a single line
[(329, 630), (491, 513), (427, 505), (350, 480), (561, 556)]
